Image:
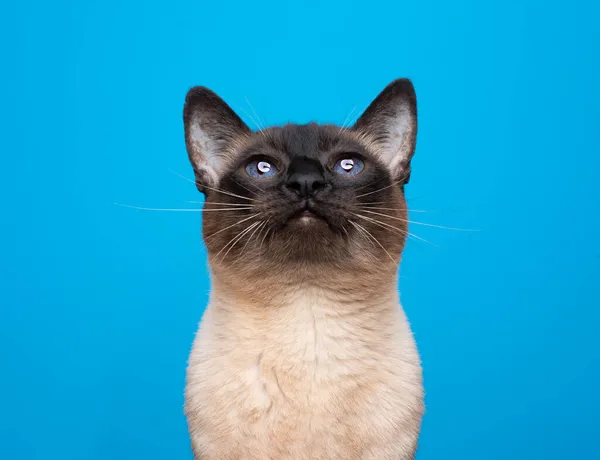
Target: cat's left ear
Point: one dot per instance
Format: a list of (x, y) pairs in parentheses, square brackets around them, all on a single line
[(390, 125)]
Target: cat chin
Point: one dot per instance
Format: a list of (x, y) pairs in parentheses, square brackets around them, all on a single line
[(306, 220)]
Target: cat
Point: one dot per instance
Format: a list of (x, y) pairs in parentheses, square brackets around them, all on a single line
[(304, 351)]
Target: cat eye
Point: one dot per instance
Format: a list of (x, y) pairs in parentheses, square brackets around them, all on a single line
[(261, 168), (349, 166)]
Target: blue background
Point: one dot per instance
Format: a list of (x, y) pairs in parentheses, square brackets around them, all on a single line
[(99, 303)]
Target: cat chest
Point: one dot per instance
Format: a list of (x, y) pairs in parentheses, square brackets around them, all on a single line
[(310, 376), (285, 408), (311, 382)]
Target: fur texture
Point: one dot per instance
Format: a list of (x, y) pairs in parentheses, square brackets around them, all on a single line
[(304, 351)]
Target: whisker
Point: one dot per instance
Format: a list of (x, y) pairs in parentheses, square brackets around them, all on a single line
[(246, 188), (229, 193), (182, 176), (362, 233), (259, 129), (259, 227), (219, 203), (260, 124), (346, 231), (373, 202), (238, 235), (417, 237), (376, 240), (421, 223), (212, 188), (402, 232), (260, 230), (232, 225), (356, 117), (226, 209), (383, 188), (264, 236), (343, 128), (392, 209), (443, 227), (141, 208), (382, 224), (391, 185), (237, 238)]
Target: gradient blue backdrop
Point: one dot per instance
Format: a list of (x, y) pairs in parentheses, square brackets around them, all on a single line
[(99, 303)]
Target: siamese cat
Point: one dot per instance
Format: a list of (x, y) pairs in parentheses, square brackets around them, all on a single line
[(304, 351)]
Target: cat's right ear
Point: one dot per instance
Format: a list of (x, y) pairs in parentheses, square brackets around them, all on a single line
[(211, 129)]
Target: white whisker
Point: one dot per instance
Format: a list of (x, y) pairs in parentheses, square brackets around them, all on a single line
[(212, 188), (392, 209), (182, 176), (355, 118), (232, 225), (141, 208), (264, 236), (229, 193), (260, 124), (259, 129), (220, 203), (375, 239), (237, 238), (421, 223), (402, 232), (362, 233), (246, 188), (259, 227), (226, 209), (342, 129), (383, 188)]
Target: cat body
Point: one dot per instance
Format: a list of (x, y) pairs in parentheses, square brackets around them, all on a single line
[(304, 351), (311, 379)]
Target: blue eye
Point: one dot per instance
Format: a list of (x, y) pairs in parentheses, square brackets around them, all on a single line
[(350, 166), (261, 168)]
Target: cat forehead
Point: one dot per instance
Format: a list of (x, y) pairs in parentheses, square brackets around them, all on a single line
[(309, 140)]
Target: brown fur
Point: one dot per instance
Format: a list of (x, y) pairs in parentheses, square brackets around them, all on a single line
[(304, 352)]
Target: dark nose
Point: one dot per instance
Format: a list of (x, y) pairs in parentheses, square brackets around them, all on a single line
[(305, 177)]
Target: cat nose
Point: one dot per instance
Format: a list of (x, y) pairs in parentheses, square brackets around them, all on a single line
[(305, 177), (305, 185)]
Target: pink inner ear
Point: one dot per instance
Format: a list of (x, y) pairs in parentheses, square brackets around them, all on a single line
[(391, 119)]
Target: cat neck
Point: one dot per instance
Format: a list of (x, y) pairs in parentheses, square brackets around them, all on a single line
[(307, 324), (336, 292)]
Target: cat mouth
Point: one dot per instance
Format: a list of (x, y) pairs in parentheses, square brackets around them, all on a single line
[(307, 214)]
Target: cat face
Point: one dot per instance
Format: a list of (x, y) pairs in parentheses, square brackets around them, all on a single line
[(303, 195)]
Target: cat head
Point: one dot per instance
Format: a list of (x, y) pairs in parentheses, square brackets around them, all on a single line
[(303, 196)]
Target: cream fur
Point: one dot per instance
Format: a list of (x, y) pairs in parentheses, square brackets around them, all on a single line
[(311, 373)]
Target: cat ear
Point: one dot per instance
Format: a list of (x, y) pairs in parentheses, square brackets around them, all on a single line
[(390, 126), (211, 129)]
